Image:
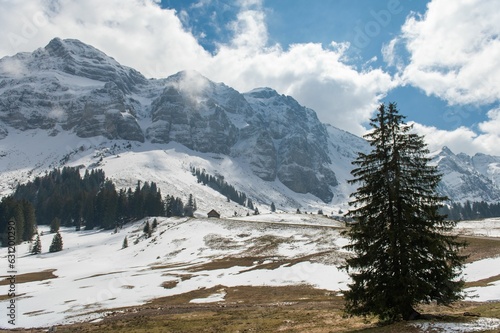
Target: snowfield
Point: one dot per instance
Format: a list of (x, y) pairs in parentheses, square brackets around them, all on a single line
[(93, 272), (168, 165)]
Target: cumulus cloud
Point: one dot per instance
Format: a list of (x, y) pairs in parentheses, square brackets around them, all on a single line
[(464, 140), (140, 34), (454, 51), (137, 33)]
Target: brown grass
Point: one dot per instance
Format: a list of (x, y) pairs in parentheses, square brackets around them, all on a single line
[(30, 277), (293, 309), (483, 283), (480, 248), (170, 284)]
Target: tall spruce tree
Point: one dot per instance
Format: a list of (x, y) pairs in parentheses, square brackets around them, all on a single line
[(402, 253), (37, 245)]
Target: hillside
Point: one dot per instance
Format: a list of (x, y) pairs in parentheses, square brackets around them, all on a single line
[(70, 104), (94, 274)]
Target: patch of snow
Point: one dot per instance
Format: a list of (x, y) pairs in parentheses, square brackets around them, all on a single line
[(217, 297), (479, 325), (487, 227)]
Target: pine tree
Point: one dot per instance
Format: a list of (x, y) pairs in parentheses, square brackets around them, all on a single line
[(57, 243), (55, 224), (189, 208), (125, 243), (250, 204), (273, 207), (155, 224), (147, 229), (19, 220), (37, 246), (403, 255), (29, 220)]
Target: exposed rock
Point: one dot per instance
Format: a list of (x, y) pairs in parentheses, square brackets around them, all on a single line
[(468, 178), (71, 86)]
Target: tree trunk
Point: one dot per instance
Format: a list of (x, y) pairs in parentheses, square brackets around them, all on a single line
[(409, 313)]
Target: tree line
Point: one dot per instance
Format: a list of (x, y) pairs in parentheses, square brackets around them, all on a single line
[(220, 185), (64, 197), (471, 210)]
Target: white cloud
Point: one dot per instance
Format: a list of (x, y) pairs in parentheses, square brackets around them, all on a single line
[(139, 34), (465, 140), (454, 51), (13, 67)]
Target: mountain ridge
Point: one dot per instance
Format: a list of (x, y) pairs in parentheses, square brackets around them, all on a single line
[(71, 87)]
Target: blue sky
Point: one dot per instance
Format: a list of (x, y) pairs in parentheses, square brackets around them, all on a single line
[(438, 59), (366, 24)]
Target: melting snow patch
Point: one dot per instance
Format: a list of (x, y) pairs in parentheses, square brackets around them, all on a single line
[(479, 325), (218, 297)]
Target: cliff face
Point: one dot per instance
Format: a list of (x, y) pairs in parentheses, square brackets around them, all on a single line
[(473, 178), (71, 87)]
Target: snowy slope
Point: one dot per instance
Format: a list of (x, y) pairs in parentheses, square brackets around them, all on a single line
[(93, 273), (128, 162), (473, 178)]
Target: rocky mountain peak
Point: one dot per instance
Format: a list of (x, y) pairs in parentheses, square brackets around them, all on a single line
[(446, 151), (73, 48), (262, 93), (73, 87), (79, 59), (468, 178)]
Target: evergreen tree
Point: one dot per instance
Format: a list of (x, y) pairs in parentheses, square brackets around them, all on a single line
[(403, 255), (125, 243), (169, 206), (273, 207), (189, 207), (137, 204), (155, 224), (57, 243), (55, 224), (37, 246), (250, 204), (106, 206), (29, 220), (18, 217), (147, 229)]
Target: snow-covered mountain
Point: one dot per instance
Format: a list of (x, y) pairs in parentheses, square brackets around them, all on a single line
[(473, 178), (70, 104)]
